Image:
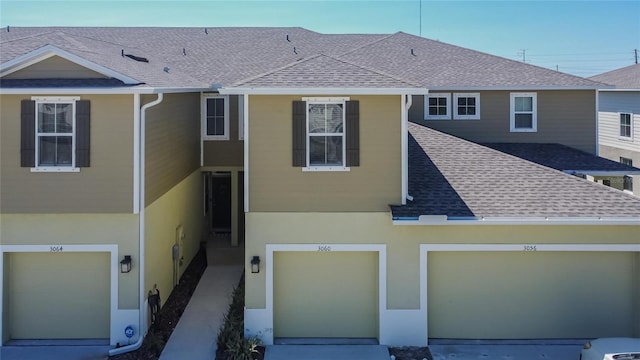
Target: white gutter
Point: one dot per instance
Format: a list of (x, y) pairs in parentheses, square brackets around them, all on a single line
[(142, 324), (430, 220), (404, 143), (519, 87)]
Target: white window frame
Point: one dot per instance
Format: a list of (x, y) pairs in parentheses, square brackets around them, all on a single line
[(534, 112), (622, 137), (324, 101), (454, 104), (240, 117), (203, 111), (447, 116), (55, 100)]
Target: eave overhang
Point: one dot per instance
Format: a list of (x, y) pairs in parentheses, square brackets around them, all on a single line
[(444, 220), (323, 91)]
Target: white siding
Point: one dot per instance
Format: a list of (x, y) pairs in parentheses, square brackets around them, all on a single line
[(611, 104)]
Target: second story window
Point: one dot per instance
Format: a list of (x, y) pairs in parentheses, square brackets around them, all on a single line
[(55, 133), (466, 106), (626, 130), (326, 134), (215, 114), (325, 129), (437, 106), (523, 112), (626, 161)]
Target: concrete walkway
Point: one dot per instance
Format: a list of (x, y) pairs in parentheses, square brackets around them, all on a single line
[(195, 335), (327, 352), (557, 350)]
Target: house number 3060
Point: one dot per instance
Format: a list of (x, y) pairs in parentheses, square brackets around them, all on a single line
[(324, 248), (55, 248)]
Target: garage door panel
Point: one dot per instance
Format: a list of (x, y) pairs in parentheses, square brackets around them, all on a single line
[(326, 294), (59, 296), (507, 295)]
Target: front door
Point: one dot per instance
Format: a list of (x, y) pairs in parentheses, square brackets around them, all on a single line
[(218, 197)]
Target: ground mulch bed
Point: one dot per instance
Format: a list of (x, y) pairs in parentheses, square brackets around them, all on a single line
[(168, 316), (411, 353)]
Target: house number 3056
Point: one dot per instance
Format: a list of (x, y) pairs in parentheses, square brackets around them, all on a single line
[(55, 248), (324, 248)]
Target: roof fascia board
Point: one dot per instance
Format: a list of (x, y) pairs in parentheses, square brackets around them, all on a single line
[(323, 91), (48, 51), (602, 172), (96, 91), (444, 221), (621, 90), (512, 88)]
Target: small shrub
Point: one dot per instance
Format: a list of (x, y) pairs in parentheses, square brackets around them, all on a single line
[(241, 348)]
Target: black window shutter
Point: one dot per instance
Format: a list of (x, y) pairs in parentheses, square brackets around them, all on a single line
[(299, 133), (353, 133), (28, 133), (83, 131)]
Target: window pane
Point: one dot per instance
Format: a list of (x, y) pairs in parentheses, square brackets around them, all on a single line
[(471, 101), (55, 150), (47, 118), (334, 118), (325, 150), (471, 110), (215, 116), (523, 121), (462, 101), (317, 123), (524, 103), (462, 110), (64, 118), (433, 101), (433, 110)]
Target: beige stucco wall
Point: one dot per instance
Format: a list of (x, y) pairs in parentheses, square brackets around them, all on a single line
[(226, 152), (105, 187), (172, 142), (564, 117), (180, 206), (403, 255), (55, 67), (275, 185), (80, 229)]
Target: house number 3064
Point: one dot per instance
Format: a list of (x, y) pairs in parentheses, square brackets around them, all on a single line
[(55, 248), (324, 248)]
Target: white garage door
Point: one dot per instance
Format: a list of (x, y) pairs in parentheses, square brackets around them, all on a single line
[(59, 295), (508, 295), (326, 295)]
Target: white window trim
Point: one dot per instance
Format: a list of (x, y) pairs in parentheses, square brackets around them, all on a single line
[(631, 129), (534, 112), (327, 100), (447, 116), (55, 100), (203, 115), (240, 117), (456, 116)]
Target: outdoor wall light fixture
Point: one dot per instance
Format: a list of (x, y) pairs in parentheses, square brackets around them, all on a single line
[(125, 264), (255, 265)]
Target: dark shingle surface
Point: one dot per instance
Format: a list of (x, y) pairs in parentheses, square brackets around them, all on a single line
[(624, 78), (454, 177), (561, 157), (199, 57)]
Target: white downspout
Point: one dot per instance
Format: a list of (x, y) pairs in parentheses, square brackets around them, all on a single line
[(142, 324), (405, 147)]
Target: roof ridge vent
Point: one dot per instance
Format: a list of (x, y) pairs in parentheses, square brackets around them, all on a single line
[(287, 37)]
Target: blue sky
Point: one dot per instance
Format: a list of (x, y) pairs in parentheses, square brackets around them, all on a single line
[(579, 37)]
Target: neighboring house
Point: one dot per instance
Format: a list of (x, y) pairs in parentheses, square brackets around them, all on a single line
[(619, 123), (367, 225)]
